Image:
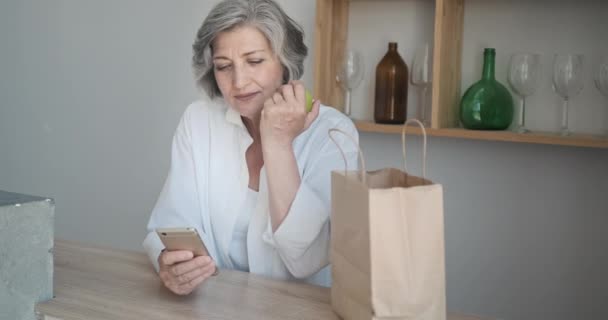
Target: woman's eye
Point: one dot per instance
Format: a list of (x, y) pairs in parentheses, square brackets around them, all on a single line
[(222, 67), (257, 61)]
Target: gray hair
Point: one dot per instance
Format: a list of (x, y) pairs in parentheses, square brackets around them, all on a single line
[(285, 36)]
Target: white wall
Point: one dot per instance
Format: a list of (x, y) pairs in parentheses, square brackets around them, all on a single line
[(91, 92), (99, 89), (8, 54)]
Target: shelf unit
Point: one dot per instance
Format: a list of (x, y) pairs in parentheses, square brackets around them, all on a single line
[(589, 141), (331, 31)]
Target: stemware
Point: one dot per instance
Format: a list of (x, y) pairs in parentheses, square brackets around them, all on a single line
[(567, 82), (524, 73), (350, 75), (421, 78), (601, 82)]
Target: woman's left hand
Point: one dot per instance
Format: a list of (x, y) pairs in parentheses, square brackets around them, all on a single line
[(284, 115)]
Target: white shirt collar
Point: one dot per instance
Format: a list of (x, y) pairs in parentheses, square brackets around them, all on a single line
[(233, 117)]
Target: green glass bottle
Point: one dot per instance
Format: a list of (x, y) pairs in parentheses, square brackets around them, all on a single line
[(487, 104)]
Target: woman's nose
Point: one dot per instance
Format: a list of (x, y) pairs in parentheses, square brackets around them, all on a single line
[(240, 78)]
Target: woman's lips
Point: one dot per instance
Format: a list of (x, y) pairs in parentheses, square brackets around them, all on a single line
[(246, 96)]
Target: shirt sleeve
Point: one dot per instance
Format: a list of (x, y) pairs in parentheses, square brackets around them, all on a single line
[(302, 240), (178, 204)]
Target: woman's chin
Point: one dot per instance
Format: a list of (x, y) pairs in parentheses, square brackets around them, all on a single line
[(248, 109)]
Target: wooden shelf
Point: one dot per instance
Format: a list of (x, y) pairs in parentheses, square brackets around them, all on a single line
[(577, 140)]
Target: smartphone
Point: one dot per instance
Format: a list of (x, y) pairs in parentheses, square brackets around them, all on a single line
[(182, 239)]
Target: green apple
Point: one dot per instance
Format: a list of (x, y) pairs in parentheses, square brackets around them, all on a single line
[(308, 101)]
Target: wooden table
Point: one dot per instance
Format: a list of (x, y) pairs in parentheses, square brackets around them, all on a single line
[(98, 283)]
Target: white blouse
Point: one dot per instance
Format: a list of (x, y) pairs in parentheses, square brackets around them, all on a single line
[(238, 247), (208, 183)]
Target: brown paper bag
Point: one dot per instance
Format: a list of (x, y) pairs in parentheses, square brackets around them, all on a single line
[(387, 244)]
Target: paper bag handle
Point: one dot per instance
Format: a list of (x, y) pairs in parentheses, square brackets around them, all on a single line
[(361, 159), (415, 121)]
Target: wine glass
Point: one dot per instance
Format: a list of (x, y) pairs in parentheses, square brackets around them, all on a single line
[(567, 82), (350, 75), (601, 82), (524, 73), (421, 78)]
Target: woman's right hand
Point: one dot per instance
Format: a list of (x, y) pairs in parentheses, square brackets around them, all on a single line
[(181, 272)]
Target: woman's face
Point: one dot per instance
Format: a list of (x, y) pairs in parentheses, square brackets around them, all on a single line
[(246, 69)]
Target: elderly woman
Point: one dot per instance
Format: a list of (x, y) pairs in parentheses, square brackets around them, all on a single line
[(250, 167)]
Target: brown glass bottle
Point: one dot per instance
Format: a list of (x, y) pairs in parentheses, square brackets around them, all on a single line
[(391, 88)]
